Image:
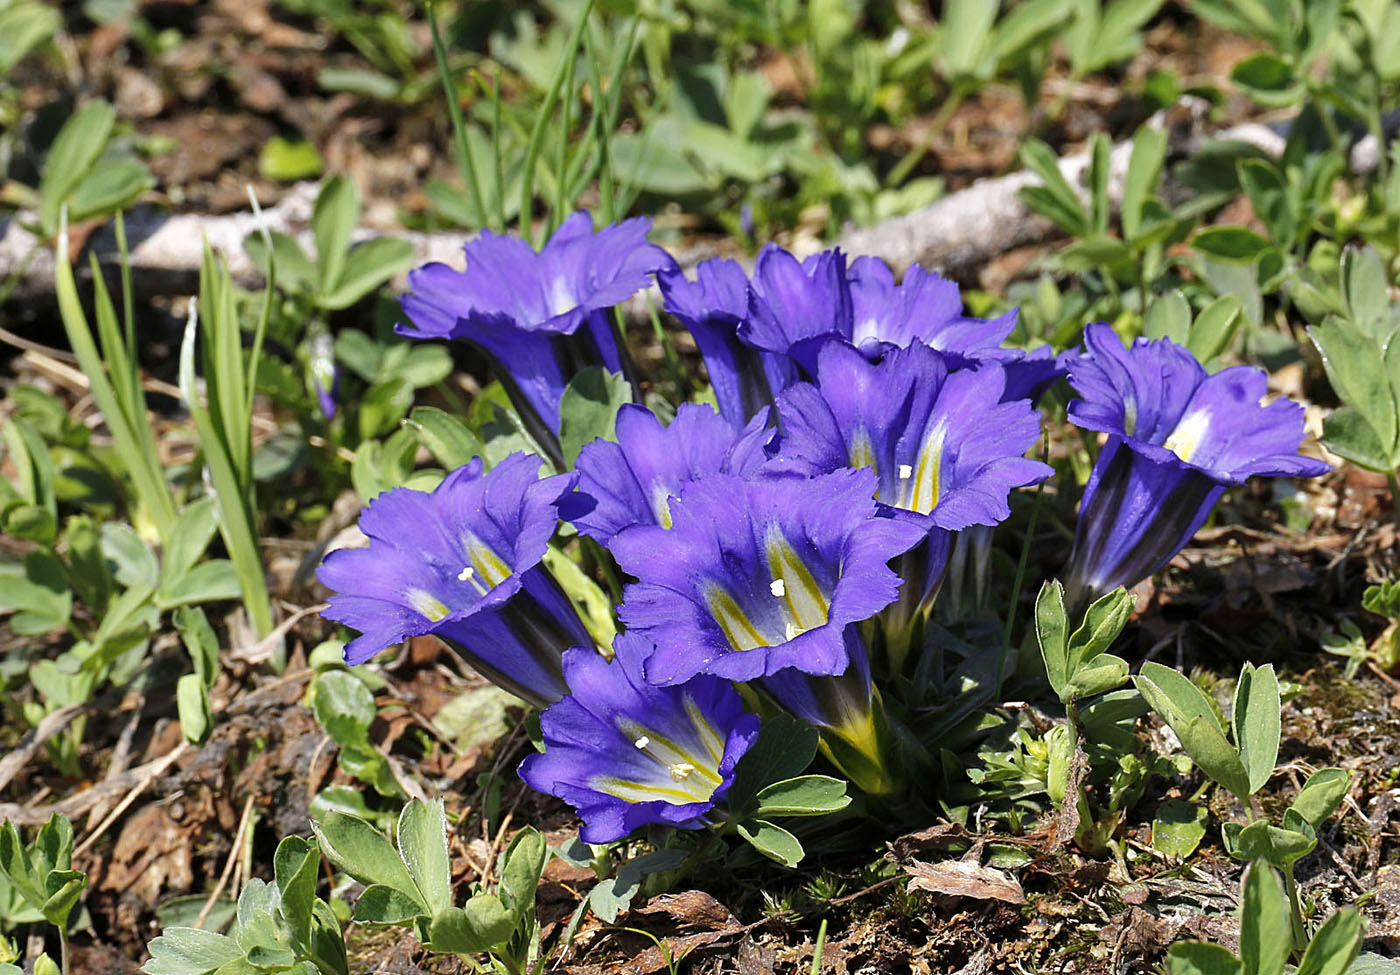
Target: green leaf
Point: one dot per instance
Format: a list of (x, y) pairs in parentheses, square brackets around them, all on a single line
[(772, 841), (344, 707), (1264, 843), (588, 409), (1370, 963), (364, 853), (784, 749), (1265, 936), (1321, 794), (193, 531), (382, 904), (112, 186), (1055, 199), (806, 795), (968, 25), (369, 265), (614, 895), (447, 438), (296, 865), (190, 951), (1108, 672), (23, 27), (285, 160), (294, 268), (1187, 711), (1335, 945), (422, 836), (1232, 245), (1052, 633), (1178, 828), (1103, 622), (1213, 328), (1168, 317), (1256, 721), (1350, 356), (1144, 172), (521, 867), (1347, 434), (1365, 291), (1269, 194), (206, 583), (1201, 958), (200, 642), (192, 704), (1026, 26), (1267, 79), (75, 150), (480, 925), (333, 220), (42, 590)]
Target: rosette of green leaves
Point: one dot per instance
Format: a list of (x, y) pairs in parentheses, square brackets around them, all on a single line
[(42, 873), (282, 926), (410, 884)]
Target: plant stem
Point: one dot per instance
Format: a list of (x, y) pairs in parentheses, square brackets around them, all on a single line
[(1394, 495), (63, 947), (1019, 579)]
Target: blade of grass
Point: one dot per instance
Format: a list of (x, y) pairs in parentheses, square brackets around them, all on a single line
[(459, 131), (260, 332), (148, 480), (562, 197), (235, 511), (536, 144)]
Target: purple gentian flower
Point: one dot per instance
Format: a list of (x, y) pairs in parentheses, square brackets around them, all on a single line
[(946, 449), (632, 481), (540, 316), (755, 576), (945, 446), (795, 308), (463, 563), (1177, 438), (923, 308), (712, 307), (627, 753), (1030, 374)]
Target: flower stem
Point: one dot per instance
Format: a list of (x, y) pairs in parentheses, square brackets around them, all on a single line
[(1394, 495)]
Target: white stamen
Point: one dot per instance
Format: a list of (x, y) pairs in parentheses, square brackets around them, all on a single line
[(466, 574), (681, 771), (906, 471), (642, 742), (778, 588)]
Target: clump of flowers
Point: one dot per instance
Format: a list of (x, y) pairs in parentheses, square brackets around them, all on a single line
[(779, 546)]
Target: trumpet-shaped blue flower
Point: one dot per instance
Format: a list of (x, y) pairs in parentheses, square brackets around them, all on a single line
[(923, 309), (633, 480), (463, 563), (539, 316), (944, 446), (1177, 438), (627, 753), (795, 307), (754, 576), (712, 307)]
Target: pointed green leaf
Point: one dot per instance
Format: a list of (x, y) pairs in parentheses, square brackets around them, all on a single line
[(423, 845), (521, 866), (1257, 723), (190, 951), (381, 904), (333, 220), (1335, 946), (1052, 633), (364, 853), (806, 795), (1321, 794)]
